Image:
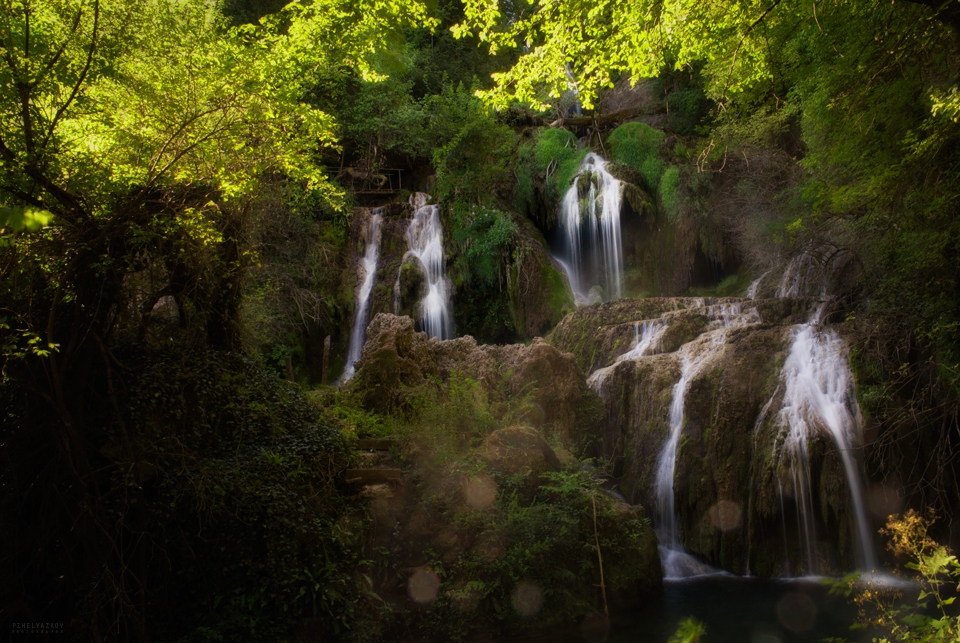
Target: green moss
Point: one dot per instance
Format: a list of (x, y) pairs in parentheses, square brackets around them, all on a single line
[(556, 154), (670, 193), (638, 145), (560, 300)]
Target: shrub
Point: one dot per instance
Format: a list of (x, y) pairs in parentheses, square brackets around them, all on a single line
[(249, 537), (933, 615)]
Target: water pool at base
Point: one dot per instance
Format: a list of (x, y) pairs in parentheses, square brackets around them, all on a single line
[(734, 610), (742, 610)]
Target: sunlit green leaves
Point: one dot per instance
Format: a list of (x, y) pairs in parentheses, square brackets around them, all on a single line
[(19, 219)]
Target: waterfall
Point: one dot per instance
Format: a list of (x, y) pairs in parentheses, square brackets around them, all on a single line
[(819, 396), (646, 341), (368, 266), (694, 355), (803, 274), (425, 239), (589, 232), (754, 285), (693, 358)]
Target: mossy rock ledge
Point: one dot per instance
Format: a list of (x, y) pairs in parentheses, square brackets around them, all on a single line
[(727, 456)]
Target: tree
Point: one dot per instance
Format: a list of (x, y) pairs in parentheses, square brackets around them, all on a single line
[(147, 129)]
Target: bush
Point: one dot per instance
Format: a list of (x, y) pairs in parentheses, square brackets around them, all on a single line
[(249, 538), (933, 616), (558, 158)]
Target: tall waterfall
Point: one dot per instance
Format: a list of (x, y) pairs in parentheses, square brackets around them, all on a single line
[(589, 232), (368, 265), (425, 238), (694, 356), (819, 396)]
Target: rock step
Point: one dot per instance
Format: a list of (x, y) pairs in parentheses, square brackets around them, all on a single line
[(375, 444), (372, 476)]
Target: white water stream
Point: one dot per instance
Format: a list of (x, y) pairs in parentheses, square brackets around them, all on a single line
[(589, 233), (694, 358), (368, 268), (819, 398), (425, 239)]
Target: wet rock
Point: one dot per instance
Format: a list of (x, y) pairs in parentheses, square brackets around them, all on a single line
[(411, 287), (728, 476), (539, 294)]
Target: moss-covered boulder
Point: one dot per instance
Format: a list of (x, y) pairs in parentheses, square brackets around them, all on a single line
[(410, 288), (734, 495), (396, 362), (539, 293)]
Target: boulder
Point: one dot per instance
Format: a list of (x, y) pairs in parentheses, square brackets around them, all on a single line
[(539, 294), (396, 360), (411, 287)]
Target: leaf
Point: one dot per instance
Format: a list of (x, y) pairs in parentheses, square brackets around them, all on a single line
[(20, 219)]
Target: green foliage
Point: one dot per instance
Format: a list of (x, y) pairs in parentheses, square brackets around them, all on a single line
[(485, 239), (243, 500), (685, 101), (690, 630), (148, 130), (638, 145), (473, 166), (932, 615), (670, 192), (22, 219), (557, 157), (534, 531)]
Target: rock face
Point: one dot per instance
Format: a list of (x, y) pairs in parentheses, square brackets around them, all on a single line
[(539, 294), (736, 504), (505, 510), (411, 288), (396, 360)]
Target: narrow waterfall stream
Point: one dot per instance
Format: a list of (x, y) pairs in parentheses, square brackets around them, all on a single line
[(695, 355), (755, 285), (368, 266), (676, 562), (590, 249), (818, 395), (425, 239)]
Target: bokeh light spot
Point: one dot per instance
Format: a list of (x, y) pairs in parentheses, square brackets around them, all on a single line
[(884, 501), (796, 612), (480, 492), (527, 598), (423, 586), (725, 515)]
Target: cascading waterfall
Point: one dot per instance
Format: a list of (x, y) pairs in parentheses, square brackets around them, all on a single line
[(647, 337), (802, 275), (694, 356), (755, 285), (818, 395), (589, 232), (676, 562), (368, 265), (425, 239)]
